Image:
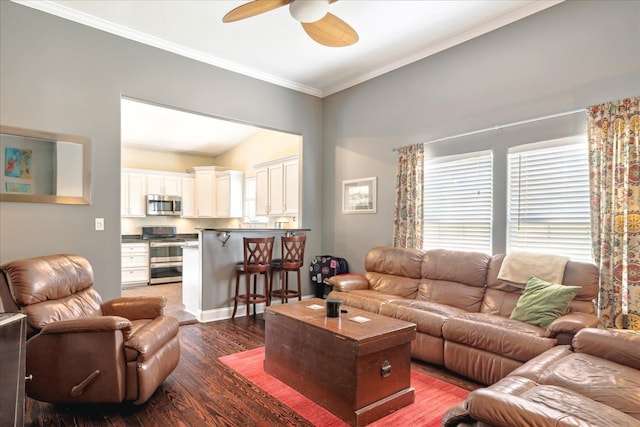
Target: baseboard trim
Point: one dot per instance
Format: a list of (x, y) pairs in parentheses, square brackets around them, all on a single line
[(213, 315)]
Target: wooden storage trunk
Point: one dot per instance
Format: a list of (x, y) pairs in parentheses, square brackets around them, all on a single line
[(358, 371)]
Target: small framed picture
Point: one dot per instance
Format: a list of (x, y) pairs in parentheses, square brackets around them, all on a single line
[(359, 196)]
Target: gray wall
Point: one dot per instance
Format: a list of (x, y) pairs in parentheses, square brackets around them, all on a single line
[(59, 76), (568, 57)]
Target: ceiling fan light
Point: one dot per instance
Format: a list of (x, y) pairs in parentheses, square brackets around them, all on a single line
[(308, 10)]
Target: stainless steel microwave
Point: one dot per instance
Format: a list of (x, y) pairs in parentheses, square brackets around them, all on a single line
[(157, 204)]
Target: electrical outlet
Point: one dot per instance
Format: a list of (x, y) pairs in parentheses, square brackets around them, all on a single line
[(99, 224)]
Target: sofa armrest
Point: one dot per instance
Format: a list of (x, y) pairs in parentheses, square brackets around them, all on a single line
[(348, 282), (615, 345), (457, 416), (135, 308), (89, 324), (570, 324), (503, 409), (544, 405), (149, 338)]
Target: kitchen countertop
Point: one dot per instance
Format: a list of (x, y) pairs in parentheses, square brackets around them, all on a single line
[(253, 230), (137, 238)]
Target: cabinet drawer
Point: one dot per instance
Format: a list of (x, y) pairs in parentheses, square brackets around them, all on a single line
[(134, 248), (135, 260), (135, 275)]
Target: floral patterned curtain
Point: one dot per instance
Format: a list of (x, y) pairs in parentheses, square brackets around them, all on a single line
[(407, 222), (614, 155)]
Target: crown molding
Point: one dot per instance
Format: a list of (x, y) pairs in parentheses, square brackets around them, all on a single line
[(445, 44), (125, 32)]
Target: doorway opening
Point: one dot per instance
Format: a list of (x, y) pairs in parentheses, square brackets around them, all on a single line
[(160, 146)]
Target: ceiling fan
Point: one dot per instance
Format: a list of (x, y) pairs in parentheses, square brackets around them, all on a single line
[(322, 26)]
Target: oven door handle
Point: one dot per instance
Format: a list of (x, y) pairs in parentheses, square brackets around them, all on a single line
[(165, 264), (164, 244)]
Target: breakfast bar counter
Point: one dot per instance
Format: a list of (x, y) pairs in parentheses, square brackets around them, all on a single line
[(209, 270)]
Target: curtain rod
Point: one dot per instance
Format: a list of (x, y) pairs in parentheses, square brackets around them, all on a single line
[(500, 127)]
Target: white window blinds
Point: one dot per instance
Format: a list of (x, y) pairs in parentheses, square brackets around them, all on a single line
[(457, 202), (548, 198)]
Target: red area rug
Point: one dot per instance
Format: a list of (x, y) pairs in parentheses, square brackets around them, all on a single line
[(433, 396)]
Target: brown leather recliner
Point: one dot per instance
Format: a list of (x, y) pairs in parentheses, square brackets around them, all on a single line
[(82, 350)]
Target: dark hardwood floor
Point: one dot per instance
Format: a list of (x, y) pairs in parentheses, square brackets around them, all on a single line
[(201, 391)]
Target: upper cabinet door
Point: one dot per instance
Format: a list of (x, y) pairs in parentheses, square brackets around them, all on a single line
[(205, 193), (167, 185), (276, 187), (262, 192), (154, 184), (291, 188), (223, 184), (229, 194), (124, 194), (172, 185), (188, 197), (134, 189)]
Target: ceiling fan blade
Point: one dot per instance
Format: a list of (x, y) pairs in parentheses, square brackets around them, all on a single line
[(331, 31), (253, 8)]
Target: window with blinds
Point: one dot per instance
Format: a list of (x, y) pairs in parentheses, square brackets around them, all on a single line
[(457, 202), (548, 198)]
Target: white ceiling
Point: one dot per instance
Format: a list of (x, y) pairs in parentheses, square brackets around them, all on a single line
[(273, 47), (154, 127)]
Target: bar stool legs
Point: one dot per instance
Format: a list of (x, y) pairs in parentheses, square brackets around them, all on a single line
[(284, 293), (257, 262), (292, 260)]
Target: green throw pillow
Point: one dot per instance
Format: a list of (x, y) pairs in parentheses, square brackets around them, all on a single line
[(542, 302)]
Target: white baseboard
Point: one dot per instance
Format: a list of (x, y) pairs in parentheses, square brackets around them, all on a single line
[(223, 313)]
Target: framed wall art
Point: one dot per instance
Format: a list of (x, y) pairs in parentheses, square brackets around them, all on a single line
[(359, 196), (44, 167)]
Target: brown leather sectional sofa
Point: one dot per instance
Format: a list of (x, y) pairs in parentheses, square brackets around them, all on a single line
[(462, 309), (595, 382)]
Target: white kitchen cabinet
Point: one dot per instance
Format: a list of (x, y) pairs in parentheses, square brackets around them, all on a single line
[(188, 197), (276, 196), (124, 194), (135, 264), (205, 191), (218, 192), (173, 185), (167, 185), (277, 187), (155, 184), (291, 187), (229, 194), (137, 183), (262, 192), (132, 194)]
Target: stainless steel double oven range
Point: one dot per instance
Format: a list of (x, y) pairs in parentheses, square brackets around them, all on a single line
[(165, 253)]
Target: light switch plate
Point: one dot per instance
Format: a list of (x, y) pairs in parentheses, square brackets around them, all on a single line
[(99, 224)]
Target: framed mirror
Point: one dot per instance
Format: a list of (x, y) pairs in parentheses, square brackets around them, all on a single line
[(44, 167)]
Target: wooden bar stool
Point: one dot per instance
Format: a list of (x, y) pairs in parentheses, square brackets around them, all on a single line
[(257, 261), (292, 260)]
